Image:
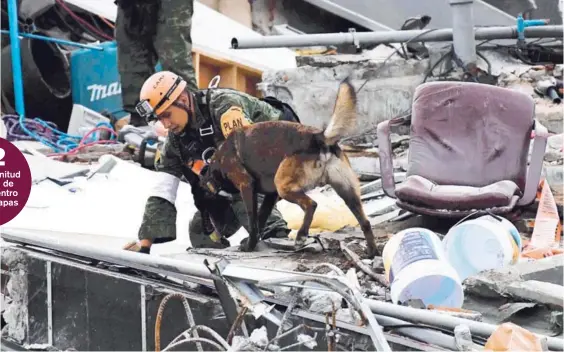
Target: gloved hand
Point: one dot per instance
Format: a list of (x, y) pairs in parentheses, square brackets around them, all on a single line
[(208, 182), (203, 199)]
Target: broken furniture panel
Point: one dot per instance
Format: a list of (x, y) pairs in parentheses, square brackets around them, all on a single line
[(468, 150)]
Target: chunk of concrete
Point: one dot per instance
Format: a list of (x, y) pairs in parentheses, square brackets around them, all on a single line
[(537, 291), (491, 283), (549, 114), (311, 89), (549, 269)]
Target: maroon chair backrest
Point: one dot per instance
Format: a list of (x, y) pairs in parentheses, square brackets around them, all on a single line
[(470, 134)]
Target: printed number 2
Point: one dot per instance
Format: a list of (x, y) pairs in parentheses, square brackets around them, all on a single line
[(2, 154)]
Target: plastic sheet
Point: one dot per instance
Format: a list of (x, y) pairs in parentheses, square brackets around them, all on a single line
[(331, 214), (511, 337)]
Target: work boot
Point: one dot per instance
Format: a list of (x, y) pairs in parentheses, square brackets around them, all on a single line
[(280, 233), (134, 246), (208, 241), (137, 121)]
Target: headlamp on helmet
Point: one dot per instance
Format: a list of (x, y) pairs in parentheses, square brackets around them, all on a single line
[(145, 110), (158, 93)]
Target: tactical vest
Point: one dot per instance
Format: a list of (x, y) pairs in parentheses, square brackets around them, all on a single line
[(199, 144)]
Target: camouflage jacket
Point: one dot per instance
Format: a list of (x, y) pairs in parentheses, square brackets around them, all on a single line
[(228, 109)]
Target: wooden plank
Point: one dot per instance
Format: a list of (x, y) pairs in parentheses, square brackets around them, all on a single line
[(226, 62), (228, 77), (207, 72), (233, 74), (242, 82), (196, 63)]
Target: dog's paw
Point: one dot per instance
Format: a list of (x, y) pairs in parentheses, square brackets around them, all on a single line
[(300, 241), (247, 246), (372, 252)]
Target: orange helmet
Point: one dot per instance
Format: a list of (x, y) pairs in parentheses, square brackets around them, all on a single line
[(159, 91)]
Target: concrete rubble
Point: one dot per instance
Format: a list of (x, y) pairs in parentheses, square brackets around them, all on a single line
[(312, 86), (534, 287)]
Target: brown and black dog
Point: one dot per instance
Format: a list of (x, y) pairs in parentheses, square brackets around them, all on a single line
[(286, 159)]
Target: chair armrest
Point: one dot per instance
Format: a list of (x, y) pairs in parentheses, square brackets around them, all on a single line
[(385, 157), (535, 165)]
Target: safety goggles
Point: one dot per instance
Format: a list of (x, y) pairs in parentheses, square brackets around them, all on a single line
[(146, 111)]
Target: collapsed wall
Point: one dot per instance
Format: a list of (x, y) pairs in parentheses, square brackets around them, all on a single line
[(311, 88)]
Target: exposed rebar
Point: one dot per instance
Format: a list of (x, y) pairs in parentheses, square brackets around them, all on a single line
[(189, 317)]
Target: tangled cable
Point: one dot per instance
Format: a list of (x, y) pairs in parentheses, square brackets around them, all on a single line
[(46, 132)]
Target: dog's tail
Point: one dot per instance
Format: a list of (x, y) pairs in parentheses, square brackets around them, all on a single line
[(343, 119)]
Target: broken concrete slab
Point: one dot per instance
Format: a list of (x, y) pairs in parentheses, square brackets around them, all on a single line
[(507, 310), (556, 142), (537, 291), (556, 321), (493, 283), (311, 89), (549, 115), (549, 269), (537, 281), (490, 283)]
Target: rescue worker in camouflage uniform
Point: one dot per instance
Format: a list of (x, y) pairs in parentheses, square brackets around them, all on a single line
[(197, 122), (148, 31)]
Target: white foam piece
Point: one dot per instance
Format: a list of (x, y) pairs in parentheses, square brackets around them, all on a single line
[(105, 206)]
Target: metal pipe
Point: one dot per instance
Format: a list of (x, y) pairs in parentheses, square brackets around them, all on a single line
[(463, 31), (155, 264), (444, 321), (16, 57), (420, 334), (387, 37), (406, 342), (55, 40)]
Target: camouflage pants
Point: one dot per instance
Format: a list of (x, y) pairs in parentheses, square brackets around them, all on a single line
[(231, 220), (171, 45)]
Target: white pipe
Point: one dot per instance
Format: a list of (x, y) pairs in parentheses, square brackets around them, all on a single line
[(463, 37), (388, 37)]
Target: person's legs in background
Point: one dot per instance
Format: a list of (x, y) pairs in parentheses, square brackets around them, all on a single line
[(136, 61), (173, 41)]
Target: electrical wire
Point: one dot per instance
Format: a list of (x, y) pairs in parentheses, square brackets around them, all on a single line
[(110, 24), (72, 29), (82, 21), (187, 333), (48, 134), (197, 340)]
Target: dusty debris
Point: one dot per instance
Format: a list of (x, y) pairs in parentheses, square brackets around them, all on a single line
[(16, 312), (457, 312), (320, 300), (381, 279), (537, 291), (509, 309), (556, 322), (308, 341), (463, 338), (259, 337)]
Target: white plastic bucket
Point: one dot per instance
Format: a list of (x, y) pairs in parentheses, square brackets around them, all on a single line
[(488, 242), (417, 268)]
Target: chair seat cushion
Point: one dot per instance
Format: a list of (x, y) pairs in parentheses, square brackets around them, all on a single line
[(421, 191)]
